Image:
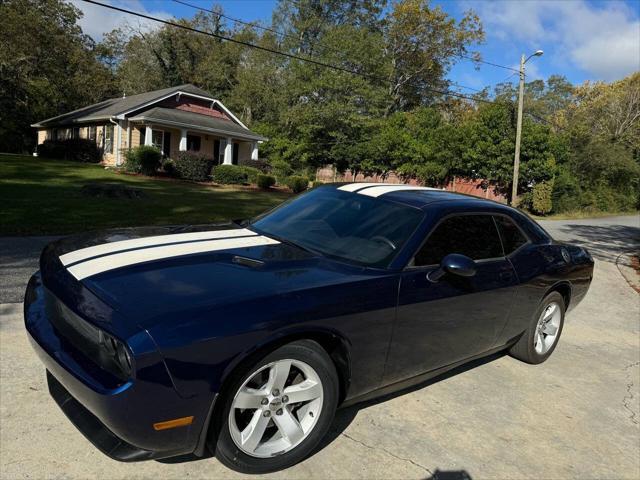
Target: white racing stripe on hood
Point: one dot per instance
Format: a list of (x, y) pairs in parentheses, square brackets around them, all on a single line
[(114, 247), (123, 259), (381, 190), (352, 187)]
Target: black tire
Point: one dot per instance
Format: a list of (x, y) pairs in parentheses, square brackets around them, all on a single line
[(524, 349), (315, 356)]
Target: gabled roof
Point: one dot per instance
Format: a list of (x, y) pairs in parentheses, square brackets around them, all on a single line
[(117, 106), (186, 119)]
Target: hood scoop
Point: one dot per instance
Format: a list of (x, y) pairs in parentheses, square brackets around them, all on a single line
[(247, 262)]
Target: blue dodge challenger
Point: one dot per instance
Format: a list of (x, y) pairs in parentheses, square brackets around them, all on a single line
[(243, 339)]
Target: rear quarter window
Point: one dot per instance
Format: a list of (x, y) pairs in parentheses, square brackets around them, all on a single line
[(512, 237)]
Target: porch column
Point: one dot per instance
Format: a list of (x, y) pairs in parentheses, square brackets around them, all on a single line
[(228, 152), (254, 151), (147, 135), (183, 140)]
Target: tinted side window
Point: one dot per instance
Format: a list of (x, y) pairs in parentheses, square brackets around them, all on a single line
[(512, 237), (472, 235)]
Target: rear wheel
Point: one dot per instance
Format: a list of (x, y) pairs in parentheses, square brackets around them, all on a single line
[(279, 410), (541, 338)]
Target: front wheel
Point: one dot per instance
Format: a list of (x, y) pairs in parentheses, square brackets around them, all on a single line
[(540, 340), (279, 410)]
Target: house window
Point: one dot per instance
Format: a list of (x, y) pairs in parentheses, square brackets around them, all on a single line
[(108, 139), (157, 139), (92, 132), (217, 152), (193, 143), (75, 133), (49, 134)]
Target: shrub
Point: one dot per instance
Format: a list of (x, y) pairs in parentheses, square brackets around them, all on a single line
[(266, 181), (541, 197), (251, 172), (74, 149), (229, 174), (281, 170), (193, 166), (261, 165), (316, 183), (297, 183), (143, 159), (169, 167)]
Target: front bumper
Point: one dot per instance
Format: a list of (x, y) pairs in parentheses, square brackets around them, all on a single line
[(118, 419)]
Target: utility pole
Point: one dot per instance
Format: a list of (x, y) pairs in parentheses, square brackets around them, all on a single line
[(516, 158)]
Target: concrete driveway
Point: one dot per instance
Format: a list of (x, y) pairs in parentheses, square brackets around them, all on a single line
[(575, 416)]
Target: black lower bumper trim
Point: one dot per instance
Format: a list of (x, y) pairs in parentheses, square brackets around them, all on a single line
[(95, 431)]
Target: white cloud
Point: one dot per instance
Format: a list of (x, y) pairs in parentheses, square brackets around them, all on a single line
[(97, 20), (603, 40)]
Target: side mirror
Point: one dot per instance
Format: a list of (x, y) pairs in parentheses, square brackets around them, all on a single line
[(455, 264)]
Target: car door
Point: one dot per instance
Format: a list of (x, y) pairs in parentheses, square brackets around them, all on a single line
[(440, 323)]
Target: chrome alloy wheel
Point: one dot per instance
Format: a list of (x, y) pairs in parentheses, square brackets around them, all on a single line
[(276, 408), (547, 328)]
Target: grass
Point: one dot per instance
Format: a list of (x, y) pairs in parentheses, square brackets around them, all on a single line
[(578, 214), (44, 197)]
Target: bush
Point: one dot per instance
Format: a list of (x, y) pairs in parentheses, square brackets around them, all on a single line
[(74, 149), (261, 165), (229, 174), (541, 197), (193, 166), (143, 159), (281, 170), (297, 183), (266, 181), (251, 172), (316, 183), (169, 167)]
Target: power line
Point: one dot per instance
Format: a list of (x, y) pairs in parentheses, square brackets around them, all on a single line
[(477, 60), (286, 35), (277, 52), (252, 24)]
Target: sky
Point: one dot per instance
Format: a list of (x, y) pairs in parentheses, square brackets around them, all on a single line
[(584, 40)]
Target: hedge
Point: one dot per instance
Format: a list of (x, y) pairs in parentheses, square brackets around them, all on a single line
[(75, 149), (251, 173), (143, 159), (229, 174), (265, 181), (297, 183), (193, 166)]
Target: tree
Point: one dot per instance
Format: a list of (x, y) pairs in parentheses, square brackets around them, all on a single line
[(47, 66), (421, 45)]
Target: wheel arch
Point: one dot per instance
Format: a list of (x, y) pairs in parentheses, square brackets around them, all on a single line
[(336, 346), (564, 289)]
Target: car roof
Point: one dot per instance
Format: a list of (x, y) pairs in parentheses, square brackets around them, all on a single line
[(414, 195)]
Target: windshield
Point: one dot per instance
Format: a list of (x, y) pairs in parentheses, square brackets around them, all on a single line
[(343, 225)]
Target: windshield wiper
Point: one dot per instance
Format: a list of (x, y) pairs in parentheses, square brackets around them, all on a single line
[(290, 243)]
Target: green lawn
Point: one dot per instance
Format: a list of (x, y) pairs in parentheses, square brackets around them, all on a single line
[(40, 196)]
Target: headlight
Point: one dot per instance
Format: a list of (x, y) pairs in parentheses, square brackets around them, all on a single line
[(115, 354)]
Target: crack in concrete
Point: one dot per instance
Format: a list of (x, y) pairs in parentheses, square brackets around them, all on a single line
[(626, 401), (388, 453)]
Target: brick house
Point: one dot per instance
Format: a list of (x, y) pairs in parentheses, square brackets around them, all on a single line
[(172, 119)]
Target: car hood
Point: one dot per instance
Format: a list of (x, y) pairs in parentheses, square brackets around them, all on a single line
[(150, 274)]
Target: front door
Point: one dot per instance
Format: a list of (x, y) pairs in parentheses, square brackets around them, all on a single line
[(456, 317)]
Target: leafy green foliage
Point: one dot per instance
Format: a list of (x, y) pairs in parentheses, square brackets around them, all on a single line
[(251, 173), (229, 174), (265, 181), (48, 66), (297, 183), (541, 200), (75, 149), (143, 159), (193, 166)]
